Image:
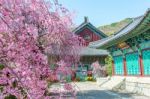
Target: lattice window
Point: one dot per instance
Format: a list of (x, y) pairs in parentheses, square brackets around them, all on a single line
[(132, 61), (146, 62), (118, 63)]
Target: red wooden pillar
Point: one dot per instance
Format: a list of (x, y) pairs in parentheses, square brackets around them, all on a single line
[(141, 65), (113, 69), (140, 61), (125, 66)]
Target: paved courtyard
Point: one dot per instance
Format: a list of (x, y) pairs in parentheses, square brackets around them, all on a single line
[(89, 90)]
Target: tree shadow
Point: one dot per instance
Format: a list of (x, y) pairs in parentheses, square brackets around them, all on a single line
[(103, 94)]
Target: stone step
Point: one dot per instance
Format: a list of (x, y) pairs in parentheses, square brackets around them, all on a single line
[(113, 82)]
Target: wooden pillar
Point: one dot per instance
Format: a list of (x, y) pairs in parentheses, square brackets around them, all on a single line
[(140, 61), (141, 65), (113, 69), (124, 66)]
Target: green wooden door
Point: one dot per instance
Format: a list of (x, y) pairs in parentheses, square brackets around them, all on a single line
[(133, 67), (118, 65), (146, 62)]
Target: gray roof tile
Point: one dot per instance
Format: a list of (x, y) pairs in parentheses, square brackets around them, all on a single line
[(86, 51)]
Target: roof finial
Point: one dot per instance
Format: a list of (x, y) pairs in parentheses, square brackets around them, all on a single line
[(86, 20)]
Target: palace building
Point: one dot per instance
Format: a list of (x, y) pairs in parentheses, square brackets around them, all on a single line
[(90, 33), (89, 55), (129, 47)]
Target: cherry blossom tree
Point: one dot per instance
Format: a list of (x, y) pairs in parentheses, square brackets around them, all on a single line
[(30, 32), (98, 70)]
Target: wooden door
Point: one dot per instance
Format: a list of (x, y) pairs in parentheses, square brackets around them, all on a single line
[(132, 61), (118, 65), (146, 62)]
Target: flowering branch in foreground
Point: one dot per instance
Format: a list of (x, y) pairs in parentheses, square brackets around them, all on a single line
[(30, 31)]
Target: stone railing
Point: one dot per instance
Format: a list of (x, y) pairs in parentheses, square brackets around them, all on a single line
[(138, 87), (102, 80)]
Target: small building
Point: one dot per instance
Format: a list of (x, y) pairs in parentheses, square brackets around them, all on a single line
[(130, 47), (89, 55), (90, 33)]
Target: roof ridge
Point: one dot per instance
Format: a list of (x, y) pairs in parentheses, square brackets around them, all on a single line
[(133, 19), (81, 25), (99, 30), (90, 25), (137, 17)]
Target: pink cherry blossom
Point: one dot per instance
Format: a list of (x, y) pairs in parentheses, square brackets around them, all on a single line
[(30, 32)]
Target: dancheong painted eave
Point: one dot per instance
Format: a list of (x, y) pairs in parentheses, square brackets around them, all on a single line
[(136, 27)]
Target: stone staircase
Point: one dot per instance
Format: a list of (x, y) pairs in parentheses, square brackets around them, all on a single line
[(137, 85), (102, 80), (115, 83)]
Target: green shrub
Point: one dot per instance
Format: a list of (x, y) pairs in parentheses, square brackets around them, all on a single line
[(77, 79), (10, 97), (1, 66), (89, 78), (108, 62), (1, 88)]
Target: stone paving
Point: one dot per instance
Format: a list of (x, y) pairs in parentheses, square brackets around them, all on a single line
[(90, 90)]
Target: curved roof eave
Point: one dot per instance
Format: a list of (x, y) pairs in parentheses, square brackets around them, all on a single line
[(86, 51), (106, 42)]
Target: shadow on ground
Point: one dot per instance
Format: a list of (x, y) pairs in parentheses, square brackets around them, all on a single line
[(103, 94)]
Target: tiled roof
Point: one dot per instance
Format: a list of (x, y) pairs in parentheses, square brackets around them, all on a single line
[(89, 25), (124, 31), (86, 51)]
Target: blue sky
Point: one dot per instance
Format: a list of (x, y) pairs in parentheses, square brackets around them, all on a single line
[(102, 12)]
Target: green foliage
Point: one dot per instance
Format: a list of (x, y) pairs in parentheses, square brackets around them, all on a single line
[(10, 97), (115, 27), (1, 88), (89, 79), (1, 66), (68, 78), (108, 62), (113, 24), (77, 79)]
